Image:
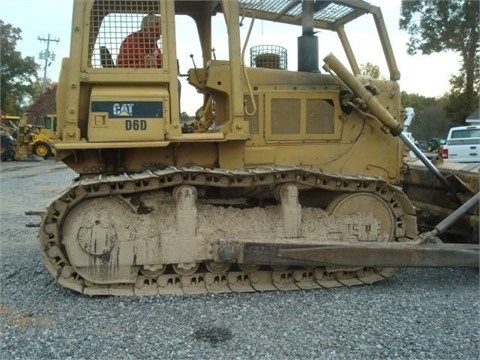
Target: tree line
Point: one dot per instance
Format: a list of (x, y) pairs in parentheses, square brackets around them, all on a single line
[(20, 83)]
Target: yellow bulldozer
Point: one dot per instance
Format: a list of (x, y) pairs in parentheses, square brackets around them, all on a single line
[(19, 139), (289, 178)]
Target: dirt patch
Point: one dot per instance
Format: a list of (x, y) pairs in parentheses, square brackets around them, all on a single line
[(24, 320), (6, 309)]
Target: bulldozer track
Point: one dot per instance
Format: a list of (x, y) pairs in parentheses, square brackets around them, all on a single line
[(207, 278)]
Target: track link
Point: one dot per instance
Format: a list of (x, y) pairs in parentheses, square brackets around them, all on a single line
[(205, 279)]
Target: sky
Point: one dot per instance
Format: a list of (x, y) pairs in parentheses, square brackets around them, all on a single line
[(421, 74)]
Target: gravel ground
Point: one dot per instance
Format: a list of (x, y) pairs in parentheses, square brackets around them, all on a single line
[(417, 314)]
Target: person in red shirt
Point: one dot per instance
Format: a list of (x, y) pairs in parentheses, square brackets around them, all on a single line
[(140, 49)]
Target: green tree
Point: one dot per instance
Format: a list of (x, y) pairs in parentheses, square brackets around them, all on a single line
[(43, 105), (430, 117), (437, 26), (184, 116), (19, 74), (370, 69)]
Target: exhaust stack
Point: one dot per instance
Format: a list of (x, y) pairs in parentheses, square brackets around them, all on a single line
[(308, 42)]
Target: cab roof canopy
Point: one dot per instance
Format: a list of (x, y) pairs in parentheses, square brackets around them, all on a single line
[(326, 14)]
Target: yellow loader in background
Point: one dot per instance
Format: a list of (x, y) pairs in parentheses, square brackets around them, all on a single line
[(20, 139)]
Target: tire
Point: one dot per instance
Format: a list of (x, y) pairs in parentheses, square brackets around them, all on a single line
[(42, 149), (8, 147)]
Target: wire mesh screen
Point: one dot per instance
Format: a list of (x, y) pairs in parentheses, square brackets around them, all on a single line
[(268, 56), (326, 12), (113, 23)]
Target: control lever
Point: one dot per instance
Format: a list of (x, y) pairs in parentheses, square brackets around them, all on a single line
[(195, 67)]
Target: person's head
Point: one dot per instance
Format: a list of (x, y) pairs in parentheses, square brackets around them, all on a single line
[(151, 24)]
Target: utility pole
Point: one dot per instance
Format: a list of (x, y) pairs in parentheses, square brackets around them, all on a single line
[(47, 55)]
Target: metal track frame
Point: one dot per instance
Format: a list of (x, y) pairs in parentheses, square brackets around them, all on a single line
[(256, 279)]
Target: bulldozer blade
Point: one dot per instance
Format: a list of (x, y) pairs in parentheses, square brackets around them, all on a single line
[(461, 187), (389, 255)]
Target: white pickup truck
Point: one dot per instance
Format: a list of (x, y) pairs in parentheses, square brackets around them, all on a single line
[(463, 144)]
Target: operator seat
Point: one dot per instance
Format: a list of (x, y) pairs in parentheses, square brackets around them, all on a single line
[(106, 58)]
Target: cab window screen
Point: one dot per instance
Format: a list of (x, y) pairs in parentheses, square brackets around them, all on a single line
[(111, 22)]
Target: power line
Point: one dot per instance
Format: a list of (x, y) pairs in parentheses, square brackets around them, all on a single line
[(47, 55)]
